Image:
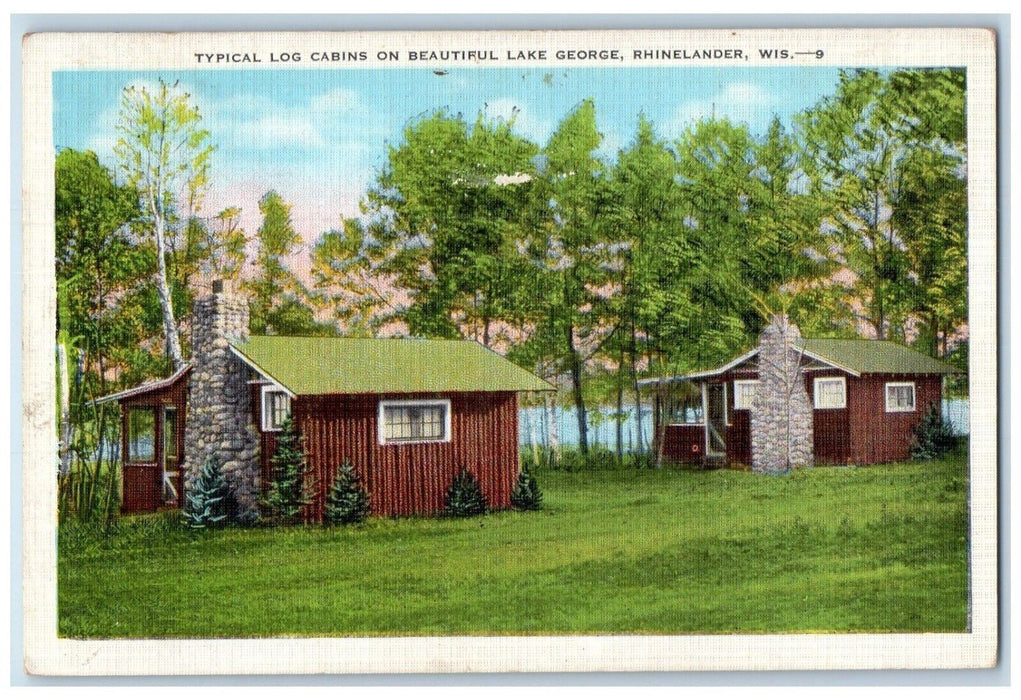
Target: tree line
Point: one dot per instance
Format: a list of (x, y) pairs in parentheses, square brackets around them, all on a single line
[(588, 270)]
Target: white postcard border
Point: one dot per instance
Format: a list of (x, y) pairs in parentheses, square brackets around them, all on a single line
[(47, 654)]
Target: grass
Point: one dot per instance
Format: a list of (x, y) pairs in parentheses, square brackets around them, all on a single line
[(614, 551)]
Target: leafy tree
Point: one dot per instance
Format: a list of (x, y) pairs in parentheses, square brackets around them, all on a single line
[(715, 165), (210, 248), (347, 502), (526, 494), (443, 216), (930, 213), (570, 256), (165, 155), (279, 299), (206, 505), (286, 494), (652, 303), (890, 155), (97, 267), (97, 259), (348, 281), (464, 497), (786, 266), (858, 154)]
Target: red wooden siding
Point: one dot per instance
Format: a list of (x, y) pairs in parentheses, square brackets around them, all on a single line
[(739, 425), (404, 479), (142, 482), (877, 436), (684, 443), (830, 426), (861, 433), (267, 440)]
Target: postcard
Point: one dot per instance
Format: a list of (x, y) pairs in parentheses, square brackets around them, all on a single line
[(533, 351)]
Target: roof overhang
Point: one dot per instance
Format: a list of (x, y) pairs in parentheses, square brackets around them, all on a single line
[(736, 362), (268, 377), (827, 361), (143, 388)]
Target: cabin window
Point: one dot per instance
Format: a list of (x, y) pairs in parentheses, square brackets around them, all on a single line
[(276, 406), (414, 421), (170, 433), (687, 411), (141, 435), (900, 397), (744, 393), (830, 392)]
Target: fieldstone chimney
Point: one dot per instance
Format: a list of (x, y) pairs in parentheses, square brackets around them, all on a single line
[(219, 403), (781, 415)]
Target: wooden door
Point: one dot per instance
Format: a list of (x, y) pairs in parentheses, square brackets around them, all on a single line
[(142, 455), (716, 420)]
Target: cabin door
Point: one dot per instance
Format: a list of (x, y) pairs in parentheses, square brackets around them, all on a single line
[(172, 477), (715, 398)]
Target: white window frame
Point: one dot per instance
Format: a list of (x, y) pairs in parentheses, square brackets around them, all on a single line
[(411, 403), (746, 382), (264, 406), (897, 409), (815, 392)]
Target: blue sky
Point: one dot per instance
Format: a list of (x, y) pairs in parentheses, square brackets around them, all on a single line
[(319, 136)]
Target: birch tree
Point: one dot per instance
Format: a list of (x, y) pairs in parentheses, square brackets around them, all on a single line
[(164, 154)]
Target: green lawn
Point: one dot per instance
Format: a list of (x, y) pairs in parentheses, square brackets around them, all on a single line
[(669, 551)]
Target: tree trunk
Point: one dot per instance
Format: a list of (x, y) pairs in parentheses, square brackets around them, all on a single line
[(552, 432), (633, 352), (620, 407), (532, 435), (65, 410), (658, 427), (579, 399), (163, 292)]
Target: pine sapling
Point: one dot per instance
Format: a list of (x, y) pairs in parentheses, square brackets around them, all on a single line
[(286, 493), (465, 497), (933, 438), (347, 501), (206, 502), (526, 494)]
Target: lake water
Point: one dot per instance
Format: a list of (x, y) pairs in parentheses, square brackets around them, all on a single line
[(602, 429)]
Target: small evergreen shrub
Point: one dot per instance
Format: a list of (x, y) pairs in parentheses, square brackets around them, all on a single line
[(464, 497), (206, 501), (932, 436), (347, 501), (526, 494), (286, 493)]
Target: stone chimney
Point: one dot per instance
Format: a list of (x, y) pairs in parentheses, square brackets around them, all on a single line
[(219, 400), (781, 415)]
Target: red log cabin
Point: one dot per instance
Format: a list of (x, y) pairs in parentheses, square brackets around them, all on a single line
[(867, 397), (407, 414)]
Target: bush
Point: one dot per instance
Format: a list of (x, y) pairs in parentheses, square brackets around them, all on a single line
[(347, 501), (932, 437), (599, 458), (206, 504), (286, 494), (526, 494), (542, 458), (464, 497)]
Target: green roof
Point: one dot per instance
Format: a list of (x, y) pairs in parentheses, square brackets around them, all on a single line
[(307, 366), (875, 357)]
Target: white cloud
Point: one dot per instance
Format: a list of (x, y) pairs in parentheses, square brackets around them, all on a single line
[(279, 131), (610, 145), (526, 122), (336, 102), (739, 102)]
